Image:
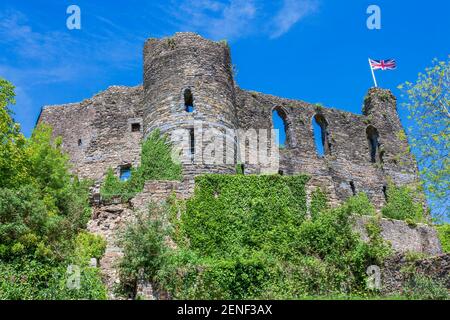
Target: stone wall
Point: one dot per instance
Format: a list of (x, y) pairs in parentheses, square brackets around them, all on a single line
[(108, 219), (97, 133), (393, 277), (348, 158), (403, 237), (187, 61), (159, 191)]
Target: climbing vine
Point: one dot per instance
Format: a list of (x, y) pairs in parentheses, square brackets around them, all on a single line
[(249, 237), (156, 164)]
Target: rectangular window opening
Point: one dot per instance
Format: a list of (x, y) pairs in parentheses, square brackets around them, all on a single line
[(135, 127), (125, 173)]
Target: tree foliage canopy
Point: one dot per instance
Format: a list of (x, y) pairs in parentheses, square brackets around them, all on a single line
[(428, 103), (43, 211)]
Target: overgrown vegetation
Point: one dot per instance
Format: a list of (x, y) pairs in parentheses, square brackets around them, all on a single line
[(360, 205), (43, 211), (422, 287), (156, 164), (403, 205), (249, 237), (444, 236)]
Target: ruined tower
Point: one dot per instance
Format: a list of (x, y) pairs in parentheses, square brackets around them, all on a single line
[(189, 94)]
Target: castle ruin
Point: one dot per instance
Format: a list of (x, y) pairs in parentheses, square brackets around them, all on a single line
[(189, 80)]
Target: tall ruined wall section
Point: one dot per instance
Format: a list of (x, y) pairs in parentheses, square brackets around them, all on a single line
[(97, 133), (346, 167), (188, 63)]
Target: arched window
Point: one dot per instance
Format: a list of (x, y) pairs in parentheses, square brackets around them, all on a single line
[(279, 123), (188, 101), (321, 135), (372, 138)]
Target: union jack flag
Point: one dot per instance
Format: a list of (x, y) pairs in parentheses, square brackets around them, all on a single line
[(389, 64)]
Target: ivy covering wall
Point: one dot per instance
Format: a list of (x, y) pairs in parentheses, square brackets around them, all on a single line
[(156, 164), (249, 237)]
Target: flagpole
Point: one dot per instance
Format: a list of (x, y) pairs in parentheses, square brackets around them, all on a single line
[(373, 75)]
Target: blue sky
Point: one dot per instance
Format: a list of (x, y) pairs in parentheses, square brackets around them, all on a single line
[(313, 50)]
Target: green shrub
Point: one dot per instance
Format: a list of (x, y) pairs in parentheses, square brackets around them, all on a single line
[(378, 248), (33, 280), (412, 256), (401, 204), (87, 246), (143, 245), (318, 203), (247, 237), (28, 225), (112, 186), (422, 287), (360, 205), (43, 208), (444, 236), (156, 159), (156, 164)]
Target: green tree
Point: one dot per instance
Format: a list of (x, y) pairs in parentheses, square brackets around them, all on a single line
[(12, 142), (428, 103), (43, 211), (156, 164), (156, 159)]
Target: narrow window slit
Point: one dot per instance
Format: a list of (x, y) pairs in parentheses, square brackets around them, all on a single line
[(188, 101), (352, 186), (191, 143), (385, 193), (372, 137)]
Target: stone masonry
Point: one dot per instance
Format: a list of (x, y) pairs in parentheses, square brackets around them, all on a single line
[(109, 219), (107, 130), (188, 90)]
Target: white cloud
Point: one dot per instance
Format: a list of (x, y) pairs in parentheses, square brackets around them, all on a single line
[(216, 19), (60, 56), (292, 12), (33, 59), (232, 19)]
